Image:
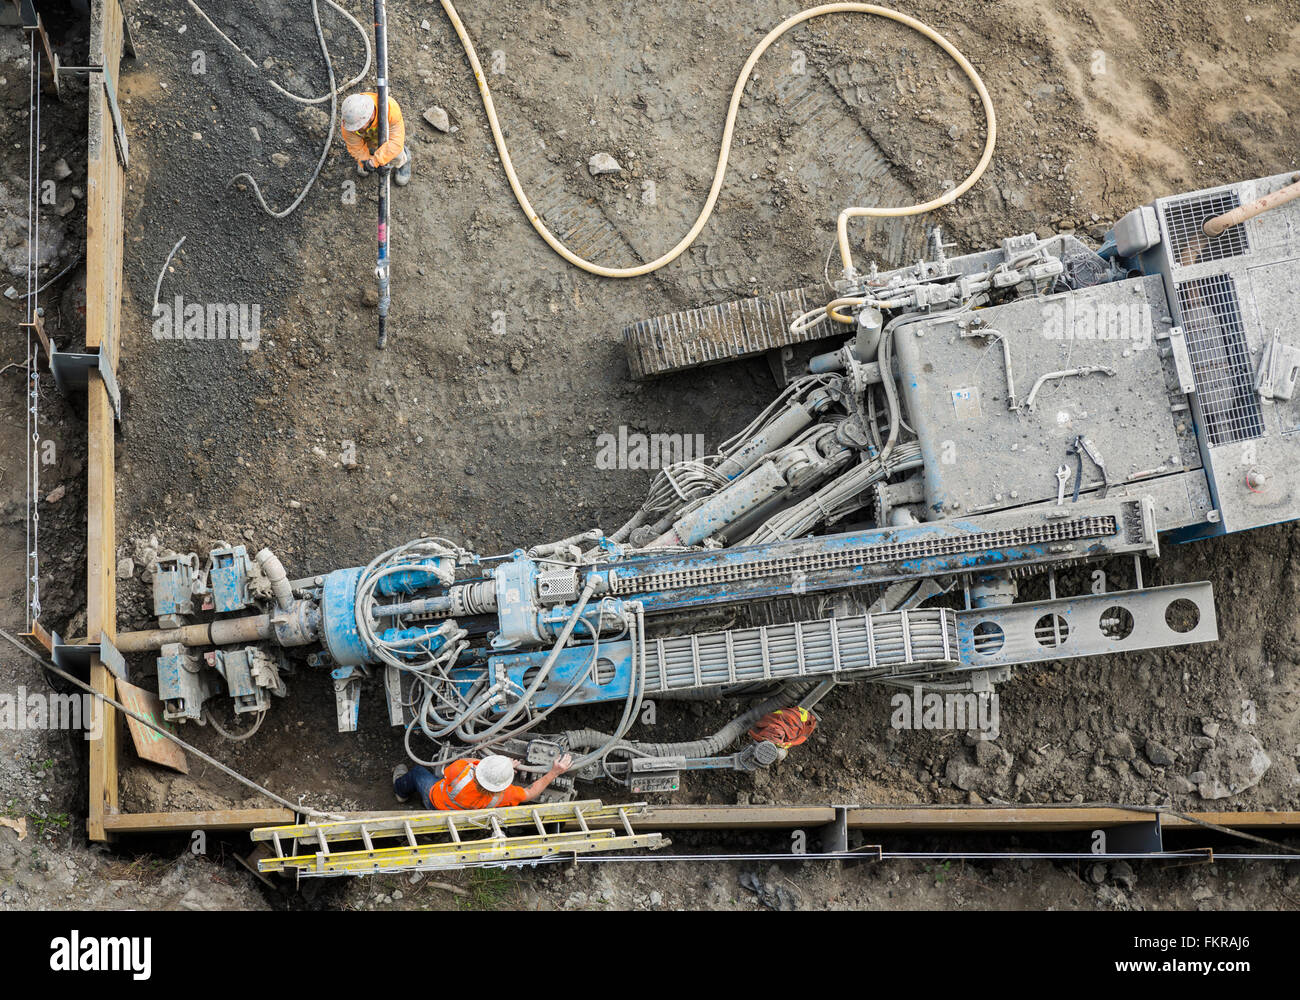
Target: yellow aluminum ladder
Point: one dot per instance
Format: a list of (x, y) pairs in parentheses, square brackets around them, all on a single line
[(453, 839)]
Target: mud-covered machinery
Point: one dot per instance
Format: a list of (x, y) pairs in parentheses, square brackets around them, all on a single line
[(980, 420)]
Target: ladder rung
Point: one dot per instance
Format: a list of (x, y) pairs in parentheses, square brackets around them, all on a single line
[(440, 822), (403, 859)]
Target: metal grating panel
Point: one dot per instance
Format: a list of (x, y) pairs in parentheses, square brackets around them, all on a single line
[(1188, 245), (1211, 318), (893, 642)]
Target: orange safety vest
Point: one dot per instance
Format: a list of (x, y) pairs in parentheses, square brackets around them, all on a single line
[(359, 143), (459, 790)]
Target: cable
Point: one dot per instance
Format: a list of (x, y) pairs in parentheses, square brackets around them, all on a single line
[(49, 281), (230, 772), (728, 128), (365, 37), (234, 737), (329, 134), (157, 288)]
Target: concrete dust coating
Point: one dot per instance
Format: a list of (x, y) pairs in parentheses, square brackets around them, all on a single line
[(482, 420)]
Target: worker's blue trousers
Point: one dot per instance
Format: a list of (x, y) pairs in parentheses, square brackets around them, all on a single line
[(420, 780)]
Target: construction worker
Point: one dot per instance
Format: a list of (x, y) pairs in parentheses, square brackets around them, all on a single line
[(472, 784), (361, 136)]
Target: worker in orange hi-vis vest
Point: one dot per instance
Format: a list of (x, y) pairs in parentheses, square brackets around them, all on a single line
[(361, 136), (472, 784)]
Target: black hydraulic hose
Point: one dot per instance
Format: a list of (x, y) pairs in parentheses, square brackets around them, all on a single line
[(710, 746), (381, 73)]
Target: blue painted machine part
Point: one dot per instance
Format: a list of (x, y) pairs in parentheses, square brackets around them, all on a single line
[(408, 581), (435, 642), (833, 563), (516, 583), (229, 579), (339, 622), (614, 665), (339, 618), (173, 592)]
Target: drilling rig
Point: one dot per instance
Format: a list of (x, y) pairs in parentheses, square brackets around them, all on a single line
[(980, 425)]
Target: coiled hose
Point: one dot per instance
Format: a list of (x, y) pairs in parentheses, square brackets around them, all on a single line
[(728, 128)]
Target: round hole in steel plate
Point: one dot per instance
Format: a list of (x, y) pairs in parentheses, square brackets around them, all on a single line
[(1182, 616), (1116, 623), (988, 638), (1051, 630)]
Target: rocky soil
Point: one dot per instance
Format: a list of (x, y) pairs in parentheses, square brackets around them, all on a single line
[(481, 420)]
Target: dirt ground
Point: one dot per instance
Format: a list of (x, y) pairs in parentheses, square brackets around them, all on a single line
[(504, 366)]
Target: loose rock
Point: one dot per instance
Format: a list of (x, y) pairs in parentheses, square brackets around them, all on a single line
[(437, 117), (603, 163)]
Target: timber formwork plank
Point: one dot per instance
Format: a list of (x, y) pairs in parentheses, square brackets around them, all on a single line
[(213, 820), (958, 819), (105, 184)]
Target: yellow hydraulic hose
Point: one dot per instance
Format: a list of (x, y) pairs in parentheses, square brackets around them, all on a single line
[(738, 91)]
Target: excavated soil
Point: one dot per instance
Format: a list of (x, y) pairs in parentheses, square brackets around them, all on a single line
[(481, 419)]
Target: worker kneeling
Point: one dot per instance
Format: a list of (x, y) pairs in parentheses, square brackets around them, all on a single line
[(472, 784), (361, 136)]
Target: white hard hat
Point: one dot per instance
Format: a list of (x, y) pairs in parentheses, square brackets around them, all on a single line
[(495, 773), (358, 109)]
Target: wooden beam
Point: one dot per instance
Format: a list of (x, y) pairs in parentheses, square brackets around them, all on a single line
[(101, 600), (984, 818), (105, 184), (958, 819), (214, 821), (730, 817), (1264, 820)]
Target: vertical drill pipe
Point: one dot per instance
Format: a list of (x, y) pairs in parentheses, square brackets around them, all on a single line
[(381, 70)]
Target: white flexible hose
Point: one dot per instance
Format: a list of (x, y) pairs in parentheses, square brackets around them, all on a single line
[(725, 150), (365, 38)]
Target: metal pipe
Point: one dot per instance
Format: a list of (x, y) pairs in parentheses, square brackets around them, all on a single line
[(381, 72), (277, 578), (218, 633), (1216, 225)]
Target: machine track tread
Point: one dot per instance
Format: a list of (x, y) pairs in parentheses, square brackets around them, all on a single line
[(710, 335)]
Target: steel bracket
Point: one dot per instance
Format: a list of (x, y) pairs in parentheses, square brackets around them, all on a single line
[(114, 112), (72, 370), (1135, 838), (31, 22), (67, 655), (781, 362), (835, 834)]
